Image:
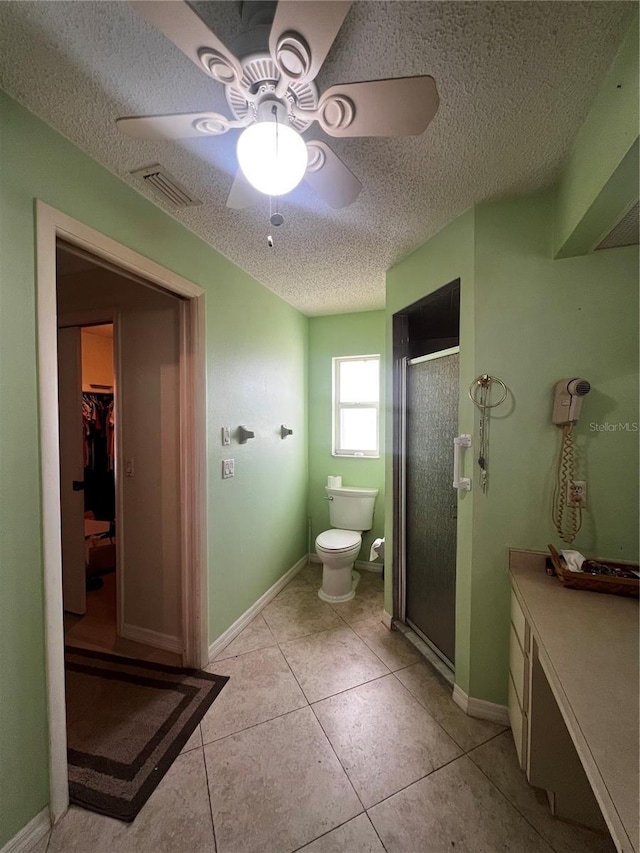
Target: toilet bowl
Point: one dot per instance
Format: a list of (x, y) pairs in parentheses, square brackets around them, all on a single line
[(338, 550), (350, 513)]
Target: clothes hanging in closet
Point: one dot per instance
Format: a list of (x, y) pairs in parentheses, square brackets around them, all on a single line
[(98, 431)]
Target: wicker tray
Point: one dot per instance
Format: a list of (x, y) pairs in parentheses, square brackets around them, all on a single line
[(595, 583)]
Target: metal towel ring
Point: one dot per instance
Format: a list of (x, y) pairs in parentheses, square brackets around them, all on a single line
[(484, 381)]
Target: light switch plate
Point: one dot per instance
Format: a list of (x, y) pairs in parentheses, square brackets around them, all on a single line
[(226, 436), (228, 468)]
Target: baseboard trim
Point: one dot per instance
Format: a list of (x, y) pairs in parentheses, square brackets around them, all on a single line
[(366, 566), (363, 565), (387, 620), (30, 834), (480, 707), (152, 638), (233, 630)]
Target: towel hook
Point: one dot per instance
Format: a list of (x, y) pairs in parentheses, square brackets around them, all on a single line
[(244, 434)]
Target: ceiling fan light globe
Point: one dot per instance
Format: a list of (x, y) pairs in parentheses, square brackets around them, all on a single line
[(272, 165)]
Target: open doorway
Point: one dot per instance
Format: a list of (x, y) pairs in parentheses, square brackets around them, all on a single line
[(121, 555), (90, 600), (187, 406)]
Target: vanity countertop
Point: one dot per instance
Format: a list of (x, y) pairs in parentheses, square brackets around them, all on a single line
[(588, 648)]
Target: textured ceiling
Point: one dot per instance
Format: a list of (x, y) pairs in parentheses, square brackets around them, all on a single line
[(516, 80)]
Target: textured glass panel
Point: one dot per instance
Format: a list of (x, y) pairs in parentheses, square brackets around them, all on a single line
[(359, 381), (358, 429), (432, 422)]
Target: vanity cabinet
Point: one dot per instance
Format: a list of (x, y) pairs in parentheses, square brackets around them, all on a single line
[(573, 699), (545, 750), (519, 671)]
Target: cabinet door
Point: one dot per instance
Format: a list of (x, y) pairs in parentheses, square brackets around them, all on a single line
[(518, 664), (518, 621), (518, 721)]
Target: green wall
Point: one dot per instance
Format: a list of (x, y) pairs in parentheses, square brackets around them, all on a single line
[(257, 374), (530, 320), (258, 378), (330, 337), (538, 320), (600, 177), (447, 256)]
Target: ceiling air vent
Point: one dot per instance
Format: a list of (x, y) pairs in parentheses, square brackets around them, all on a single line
[(163, 184), (624, 233)]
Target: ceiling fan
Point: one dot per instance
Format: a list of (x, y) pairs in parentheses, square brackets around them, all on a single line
[(271, 93)]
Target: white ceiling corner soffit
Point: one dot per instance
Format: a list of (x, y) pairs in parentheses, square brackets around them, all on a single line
[(515, 81)]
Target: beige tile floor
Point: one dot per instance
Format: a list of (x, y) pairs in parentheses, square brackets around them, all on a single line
[(332, 736)]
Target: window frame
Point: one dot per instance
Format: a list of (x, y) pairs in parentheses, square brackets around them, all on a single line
[(357, 453)]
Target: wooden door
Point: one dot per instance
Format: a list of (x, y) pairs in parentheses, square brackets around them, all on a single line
[(71, 469)]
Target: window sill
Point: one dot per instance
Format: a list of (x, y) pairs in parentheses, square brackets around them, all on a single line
[(355, 456)]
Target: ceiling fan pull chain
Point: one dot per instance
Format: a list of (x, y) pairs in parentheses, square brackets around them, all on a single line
[(274, 111), (275, 218)]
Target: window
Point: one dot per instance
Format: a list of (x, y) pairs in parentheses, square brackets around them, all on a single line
[(356, 405)]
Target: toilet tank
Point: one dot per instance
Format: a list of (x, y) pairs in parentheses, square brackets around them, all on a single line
[(351, 508)]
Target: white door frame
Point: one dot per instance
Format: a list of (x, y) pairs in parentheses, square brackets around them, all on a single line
[(51, 225)]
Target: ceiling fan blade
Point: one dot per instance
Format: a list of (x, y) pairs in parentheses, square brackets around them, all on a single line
[(328, 176), (181, 25), (177, 125), (242, 195), (403, 106), (302, 34)]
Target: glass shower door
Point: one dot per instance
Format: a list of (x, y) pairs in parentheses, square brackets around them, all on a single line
[(430, 499)]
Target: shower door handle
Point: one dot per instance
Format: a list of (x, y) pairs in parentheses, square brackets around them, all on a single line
[(460, 441)]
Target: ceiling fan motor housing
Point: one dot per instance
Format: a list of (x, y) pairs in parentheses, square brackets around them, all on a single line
[(259, 79)]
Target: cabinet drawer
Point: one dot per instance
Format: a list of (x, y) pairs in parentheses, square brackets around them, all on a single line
[(518, 621), (518, 668), (518, 722)]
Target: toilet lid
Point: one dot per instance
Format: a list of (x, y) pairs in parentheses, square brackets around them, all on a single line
[(338, 540)]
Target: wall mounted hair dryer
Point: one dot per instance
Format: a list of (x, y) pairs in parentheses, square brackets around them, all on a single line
[(567, 400)]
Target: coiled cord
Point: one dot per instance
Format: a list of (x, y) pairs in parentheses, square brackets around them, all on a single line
[(564, 476)]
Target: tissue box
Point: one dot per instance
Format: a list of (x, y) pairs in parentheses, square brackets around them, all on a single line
[(597, 583)]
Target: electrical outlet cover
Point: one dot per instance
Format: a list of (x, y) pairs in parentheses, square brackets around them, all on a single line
[(577, 493), (228, 468)]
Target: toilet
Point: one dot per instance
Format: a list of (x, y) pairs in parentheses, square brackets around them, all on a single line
[(350, 513)]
